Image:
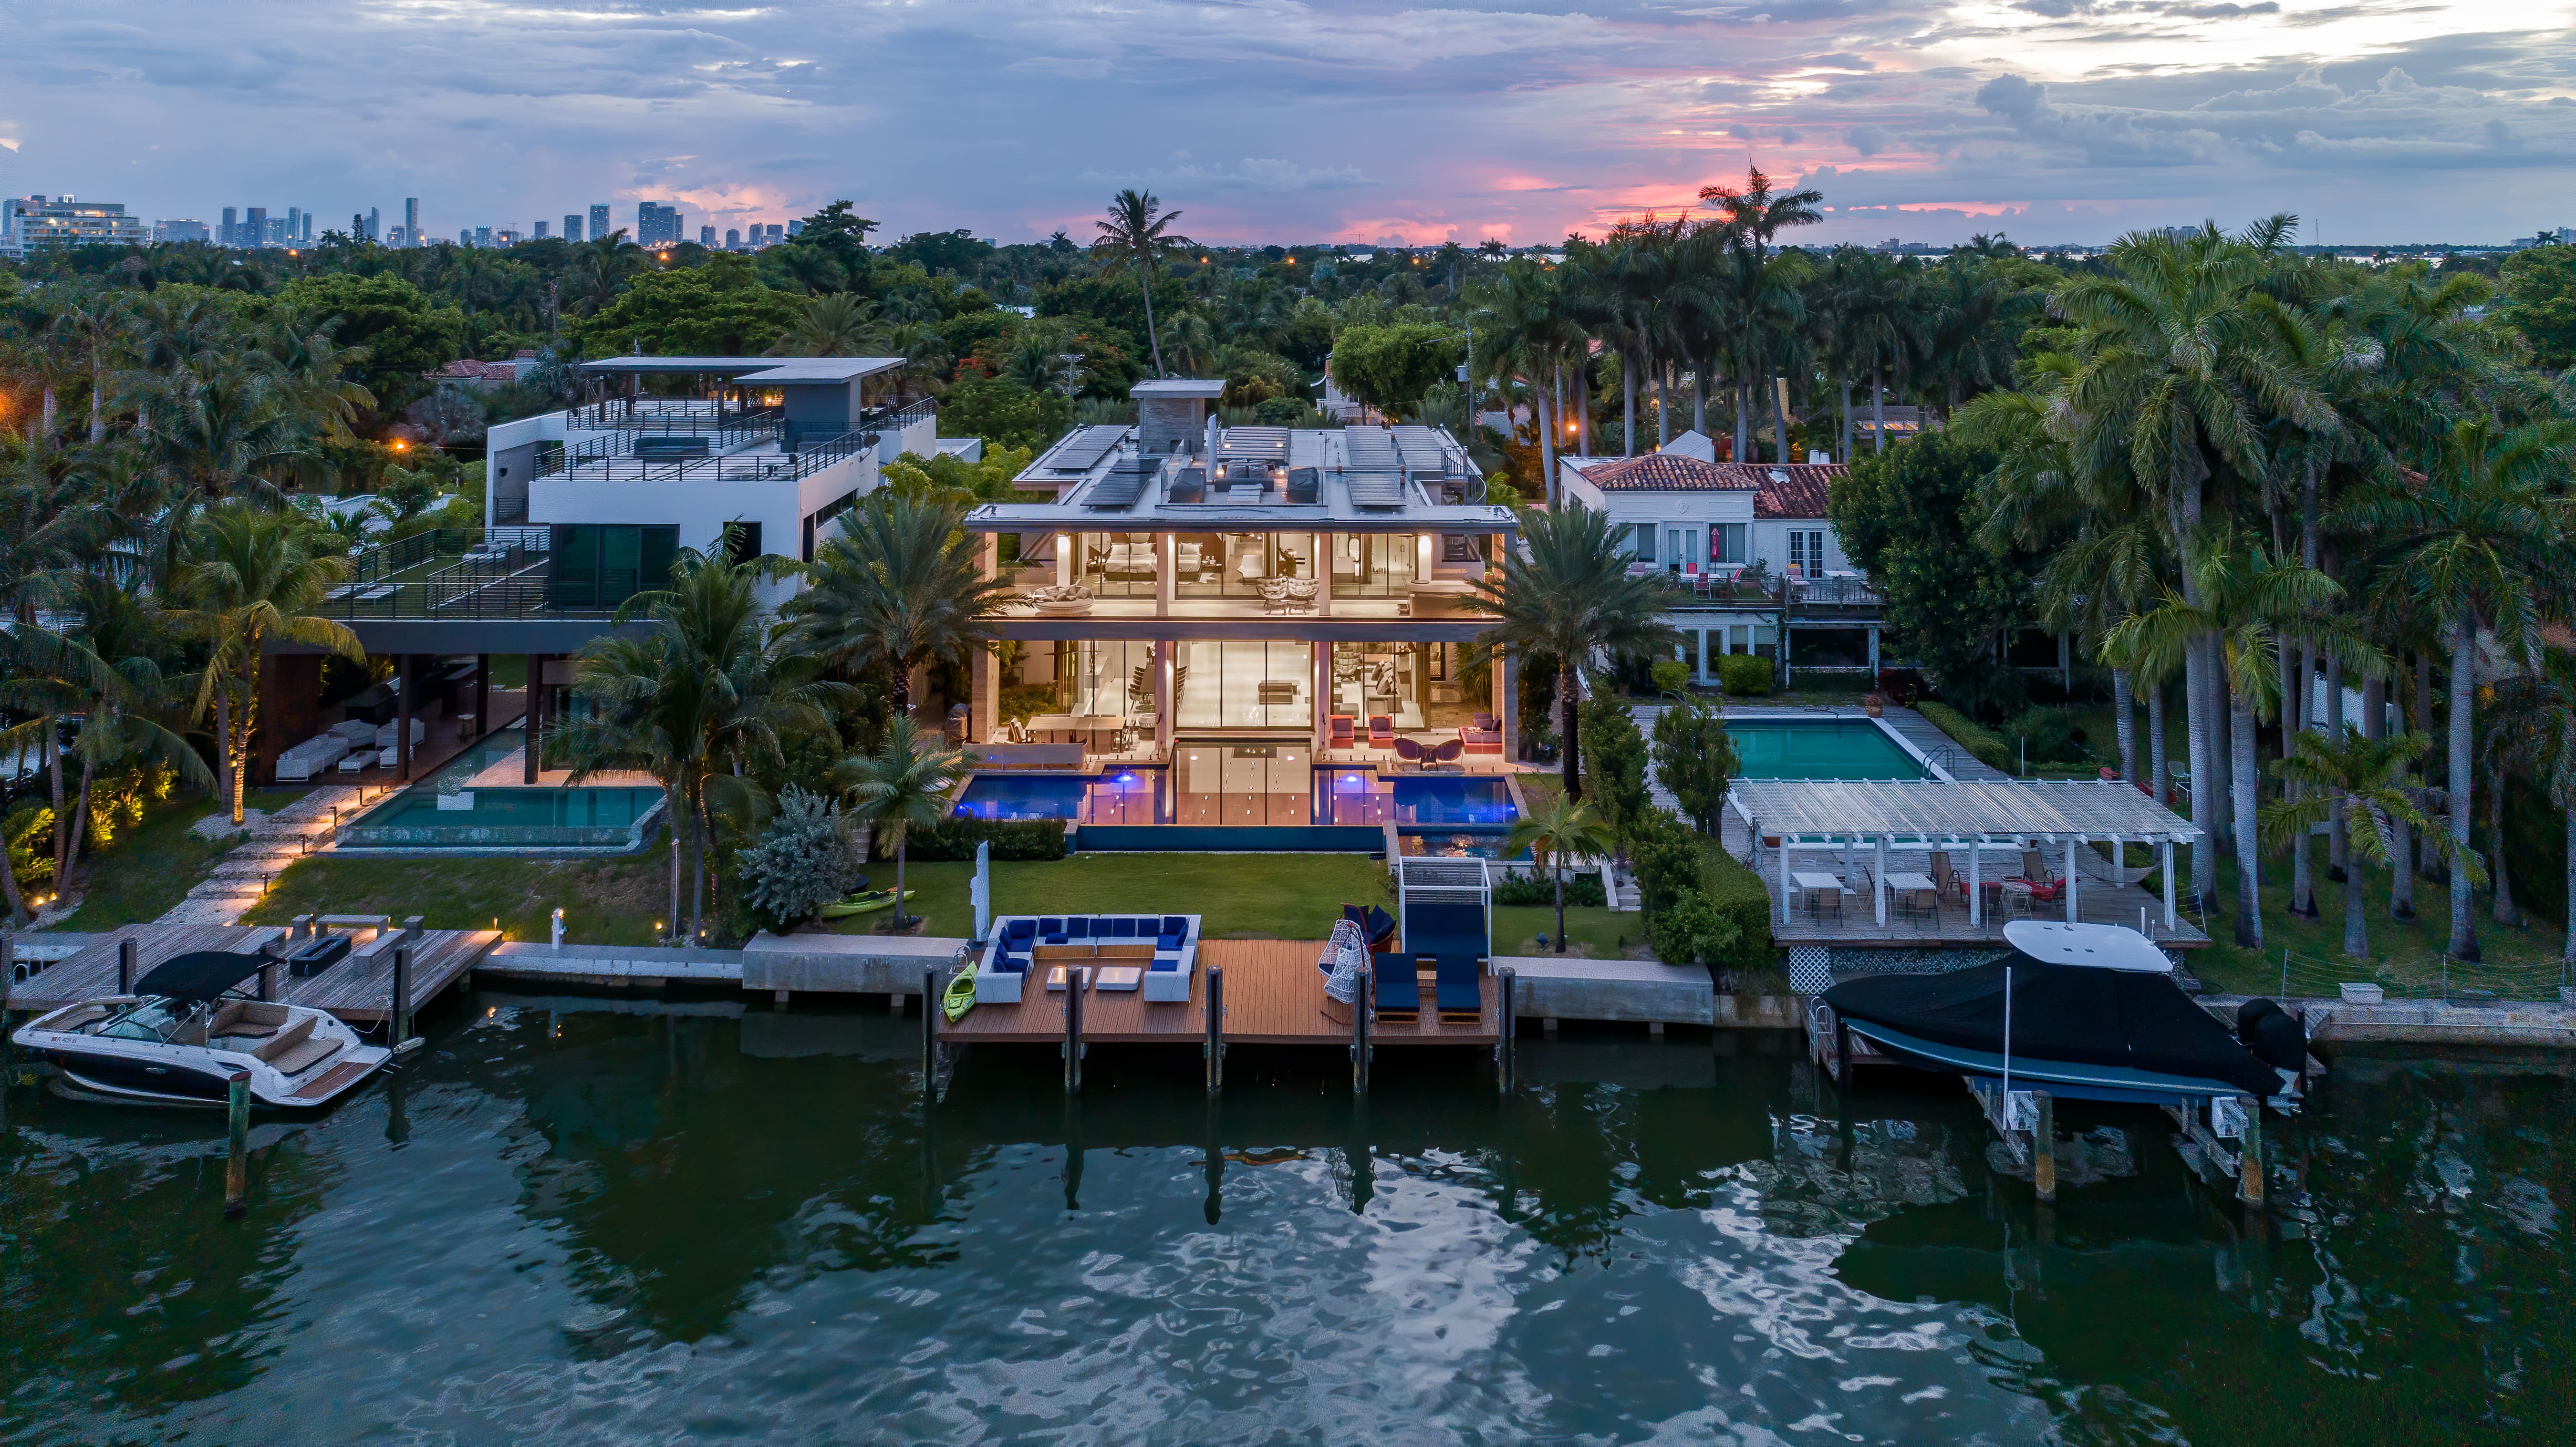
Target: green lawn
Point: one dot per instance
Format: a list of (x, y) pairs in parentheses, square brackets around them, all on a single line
[(1594, 933), (621, 901), (150, 868), (2520, 961), (1241, 896)]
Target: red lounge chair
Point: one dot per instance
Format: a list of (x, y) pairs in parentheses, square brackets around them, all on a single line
[(1381, 731), (1343, 728)]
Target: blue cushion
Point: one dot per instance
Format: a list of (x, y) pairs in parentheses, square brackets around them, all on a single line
[(1057, 940), (1021, 929), (1176, 924), (1170, 942), (1079, 927), (1051, 926), (1167, 962), (1122, 929)]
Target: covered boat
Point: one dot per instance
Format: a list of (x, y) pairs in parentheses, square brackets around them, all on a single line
[(2092, 1012), (178, 1039)]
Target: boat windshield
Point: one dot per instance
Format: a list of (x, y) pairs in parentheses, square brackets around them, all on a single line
[(150, 1020)]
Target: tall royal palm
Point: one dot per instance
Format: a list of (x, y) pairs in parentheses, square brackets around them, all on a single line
[(704, 690), (1137, 237), (906, 782), (249, 576), (898, 587), (2477, 548), (1566, 592), (2364, 782)]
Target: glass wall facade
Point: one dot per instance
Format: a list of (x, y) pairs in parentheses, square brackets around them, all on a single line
[(1235, 685), (1382, 678), (1374, 565), (1105, 678)]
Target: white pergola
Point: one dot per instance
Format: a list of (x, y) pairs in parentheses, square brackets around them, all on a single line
[(1932, 814)]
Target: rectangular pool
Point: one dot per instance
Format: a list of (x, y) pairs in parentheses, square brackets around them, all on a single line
[(509, 818), (1263, 798), (1819, 749)]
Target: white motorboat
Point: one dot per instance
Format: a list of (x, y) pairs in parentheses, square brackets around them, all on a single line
[(179, 1038)]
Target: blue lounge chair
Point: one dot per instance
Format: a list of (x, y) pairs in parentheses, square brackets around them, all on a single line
[(1176, 924), (1456, 986), (1399, 991), (1021, 931), (1051, 929)]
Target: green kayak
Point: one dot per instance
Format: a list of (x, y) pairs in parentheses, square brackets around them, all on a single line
[(960, 996)]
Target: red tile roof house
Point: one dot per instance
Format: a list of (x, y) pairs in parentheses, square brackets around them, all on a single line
[(1706, 522), (467, 372)]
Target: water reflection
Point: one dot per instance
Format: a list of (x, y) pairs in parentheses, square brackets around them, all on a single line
[(589, 1220)]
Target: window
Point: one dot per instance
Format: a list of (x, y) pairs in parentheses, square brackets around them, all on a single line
[(1726, 543), (742, 540), (1645, 542), (824, 518), (1807, 553), (1459, 548)]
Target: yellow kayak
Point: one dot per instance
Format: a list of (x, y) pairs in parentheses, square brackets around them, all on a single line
[(868, 903), (960, 995)]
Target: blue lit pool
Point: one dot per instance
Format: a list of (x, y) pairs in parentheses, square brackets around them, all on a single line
[(1819, 749), (509, 818), (1462, 844), (1447, 800), (1257, 797)]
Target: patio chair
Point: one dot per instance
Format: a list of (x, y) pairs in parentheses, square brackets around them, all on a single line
[(1375, 924), (1448, 753), (1343, 729), (1409, 752), (1381, 731), (1485, 723), (1461, 1000), (1399, 988), (2035, 868), (1943, 877)]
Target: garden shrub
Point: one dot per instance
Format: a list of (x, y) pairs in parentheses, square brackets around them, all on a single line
[(955, 839), (1024, 701), (1732, 889), (2050, 734), (1744, 675), (1694, 930), (801, 862), (1614, 765), (1983, 744), (1670, 675), (1664, 855), (1582, 889)]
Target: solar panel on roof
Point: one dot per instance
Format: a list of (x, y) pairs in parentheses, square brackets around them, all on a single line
[(1084, 449), (1121, 485), (1376, 489)]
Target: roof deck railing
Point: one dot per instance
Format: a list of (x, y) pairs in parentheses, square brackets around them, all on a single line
[(608, 459), (469, 573), (678, 415)]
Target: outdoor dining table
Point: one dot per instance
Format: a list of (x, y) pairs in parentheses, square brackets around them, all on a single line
[(1914, 889), (1815, 886)]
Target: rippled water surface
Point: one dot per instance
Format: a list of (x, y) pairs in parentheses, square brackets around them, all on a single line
[(577, 1221)]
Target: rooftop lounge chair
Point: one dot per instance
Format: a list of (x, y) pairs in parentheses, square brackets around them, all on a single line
[(1448, 753), (1409, 752), (1376, 925), (1485, 722)]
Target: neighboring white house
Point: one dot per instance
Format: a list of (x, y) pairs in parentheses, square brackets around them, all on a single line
[(1752, 544)]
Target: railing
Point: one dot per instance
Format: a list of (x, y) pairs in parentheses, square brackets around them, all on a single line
[(1723, 590), (554, 459), (807, 456), (490, 573), (895, 419), (1834, 593), (667, 415)]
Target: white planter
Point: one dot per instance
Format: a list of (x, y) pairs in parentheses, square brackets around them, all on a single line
[(2363, 995), (463, 799)]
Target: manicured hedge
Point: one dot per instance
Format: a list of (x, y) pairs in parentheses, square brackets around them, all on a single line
[(1983, 744), (1735, 890), (1582, 888), (955, 839), (1745, 675)]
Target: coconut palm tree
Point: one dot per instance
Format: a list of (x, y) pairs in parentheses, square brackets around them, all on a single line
[(248, 576), (2475, 546), (899, 586), (904, 783), (1559, 830), (696, 699), (1137, 237), (836, 324), (1566, 592), (2364, 782), (1531, 332)]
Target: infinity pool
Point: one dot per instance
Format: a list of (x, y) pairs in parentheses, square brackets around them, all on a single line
[(1819, 749), (503, 818)]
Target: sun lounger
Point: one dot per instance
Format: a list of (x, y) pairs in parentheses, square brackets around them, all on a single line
[(1457, 988), (1399, 989)]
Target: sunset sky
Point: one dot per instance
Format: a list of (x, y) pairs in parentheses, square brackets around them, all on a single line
[(1268, 120)]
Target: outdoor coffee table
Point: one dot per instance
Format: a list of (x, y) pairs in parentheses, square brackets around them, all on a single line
[(1914, 889)]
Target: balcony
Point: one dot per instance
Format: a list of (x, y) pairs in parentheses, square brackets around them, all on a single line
[(670, 416), (471, 574), (1826, 597), (750, 451)]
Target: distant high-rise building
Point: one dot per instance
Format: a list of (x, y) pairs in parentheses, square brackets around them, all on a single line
[(656, 224), (32, 223), (707, 237), (733, 239), (308, 226), (482, 235), (294, 223), (599, 221), (776, 233), (254, 230), (411, 219), (398, 237), (505, 237), (795, 228), (541, 231), (465, 236), (177, 231), (225, 236), (572, 227), (375, 226)]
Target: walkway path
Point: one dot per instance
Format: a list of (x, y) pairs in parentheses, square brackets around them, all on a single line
[(1941, 749), (276, 841)]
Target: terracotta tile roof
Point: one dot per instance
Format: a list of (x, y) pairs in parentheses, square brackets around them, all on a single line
[(1792, 490), (1667, 472), (469, 369)]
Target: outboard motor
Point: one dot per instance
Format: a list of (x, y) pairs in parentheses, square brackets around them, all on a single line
[(2274, 1035)]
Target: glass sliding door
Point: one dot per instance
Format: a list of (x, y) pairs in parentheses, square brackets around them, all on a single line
[(1373, 565), (1370, 679), (1230, 684)]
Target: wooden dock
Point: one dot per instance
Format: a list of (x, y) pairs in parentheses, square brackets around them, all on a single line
[(359, 991), (1274, 995)]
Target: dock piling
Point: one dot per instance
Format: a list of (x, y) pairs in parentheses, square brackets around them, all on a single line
[(2249, 1153), (1075, 978), (930, 1035), (1362, 1009), (1507, 1025), (125, 952), (237, 1145), (2043, 1161), (398, 1009), (1215, 1046)]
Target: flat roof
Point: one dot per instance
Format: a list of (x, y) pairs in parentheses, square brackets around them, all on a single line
[(1179, 387), (1933, 809), (781, 370), (1270, 479)]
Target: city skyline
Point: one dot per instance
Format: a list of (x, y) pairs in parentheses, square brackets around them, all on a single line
[(2052, 120)]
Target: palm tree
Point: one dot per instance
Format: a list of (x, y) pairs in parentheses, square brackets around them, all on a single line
[(1135, 237), (1566, 592), (900, 585), (904, 783), (95, 327), (837, 324), (696, 699), (1531, 332), (248, 577), (1559, 830), (2475, 546), (2365, 783), (2539, 710)]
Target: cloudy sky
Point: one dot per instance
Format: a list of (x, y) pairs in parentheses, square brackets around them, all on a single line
[(1274, 120)]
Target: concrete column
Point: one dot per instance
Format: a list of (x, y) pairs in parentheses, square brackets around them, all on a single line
[(534, 724), (1878, 881), (1320, 671), (1325, 543), (406, 684), (1507, 702), (1976, 882), (2072, 844), (483, 691), (1164, 649), (1063, 558), (1165, 560), (984, 723), (2164, 866), (1873, 654)]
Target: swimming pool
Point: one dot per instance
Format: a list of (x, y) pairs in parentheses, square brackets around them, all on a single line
[(509, 818), (1819, 749), (1343, 796)]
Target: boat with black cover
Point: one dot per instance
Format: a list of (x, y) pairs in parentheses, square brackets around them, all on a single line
[(178, 1039), (2081, 1011)]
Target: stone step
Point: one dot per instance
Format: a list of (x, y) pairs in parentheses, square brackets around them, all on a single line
[(254, 869), (220, 888)]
